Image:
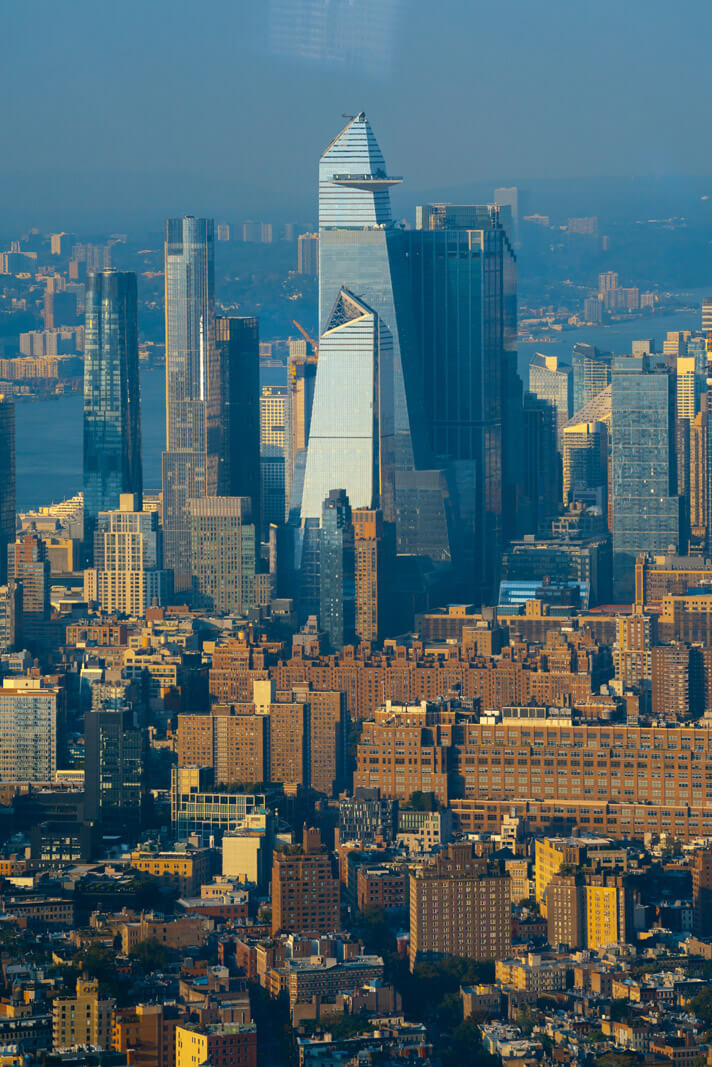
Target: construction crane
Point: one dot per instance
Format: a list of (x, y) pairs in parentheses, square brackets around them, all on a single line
[(307, 337)]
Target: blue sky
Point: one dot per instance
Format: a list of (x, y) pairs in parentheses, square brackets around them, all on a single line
[(141, 103)]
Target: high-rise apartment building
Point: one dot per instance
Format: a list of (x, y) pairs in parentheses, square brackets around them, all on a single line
[(112, 417), (191, 459), (706, 314), (308, 254), (223, 552), (273, 418), (305, 892), (114, 766), (635, 637), (337, 577), (8, 514), (29, 727), (676, 682), (645, 507), (127, 576), (689, 388), (237, 340), (460, 905), (551, 380), (28, 565), (373, 563)]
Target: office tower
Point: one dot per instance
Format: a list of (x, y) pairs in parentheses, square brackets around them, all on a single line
[(223, 552), (191, 459), (114, 764), (10, 617), (345, 432), (308, 254), (645, 507), (305, 893), (112, 416), (591, 373), (585, 462), (460, 905), (337, 579), (301, 378), (551, 380), (273, 417), (237, 342), (29, 726), (8, 515), (707, 314), (510, 197), (28, 565), (361, 251), (541, 471), (374, 557), (222, 231), (128, 575), (689, 387), (674, 346), (220, 1044)]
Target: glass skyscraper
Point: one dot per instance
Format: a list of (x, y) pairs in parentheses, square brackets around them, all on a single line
[(193, 387), (646, 511), (440, 302), (112, 417), (8, 515), (337, 574), (238, 352)]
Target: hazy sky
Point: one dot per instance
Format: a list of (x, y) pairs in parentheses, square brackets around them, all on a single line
[(130, 107)]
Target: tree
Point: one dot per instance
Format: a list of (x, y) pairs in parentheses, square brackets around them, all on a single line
[(152, 955)]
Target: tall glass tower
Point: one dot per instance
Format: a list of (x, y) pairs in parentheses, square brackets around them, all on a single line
[(8, 515), (646, 509), (191, 458), (112, 417), (366, 321)]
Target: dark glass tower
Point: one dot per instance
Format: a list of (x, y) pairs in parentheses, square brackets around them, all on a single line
[(7, 481), (337, 582), (112, 417), (645, 505), (238, 353), (193, 386)]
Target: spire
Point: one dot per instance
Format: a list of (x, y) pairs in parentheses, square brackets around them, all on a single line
[(353, 183)]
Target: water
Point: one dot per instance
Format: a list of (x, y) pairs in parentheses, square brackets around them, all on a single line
[(49, 440), (49, 432), (616, 338)]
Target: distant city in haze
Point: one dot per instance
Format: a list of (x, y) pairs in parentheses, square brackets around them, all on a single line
[(356, 535)]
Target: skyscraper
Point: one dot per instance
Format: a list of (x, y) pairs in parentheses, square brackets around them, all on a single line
[(591, 372), (300, 383), (112, 416), (707, 314), (550, 380), (585, 455), (27, 564), (645, 507), (436, 427), (373, 556), (223, 553), (8, 515), (273, 418), (128, 575), (239, 358), (337, 578), (114, 766), (191, 459)]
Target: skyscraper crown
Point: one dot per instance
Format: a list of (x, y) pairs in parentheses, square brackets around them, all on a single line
[(353, 183)]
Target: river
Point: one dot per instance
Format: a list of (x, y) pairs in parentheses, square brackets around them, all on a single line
[(49, 432)]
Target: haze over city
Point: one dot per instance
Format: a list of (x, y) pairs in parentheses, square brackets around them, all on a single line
[(355, 534)]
